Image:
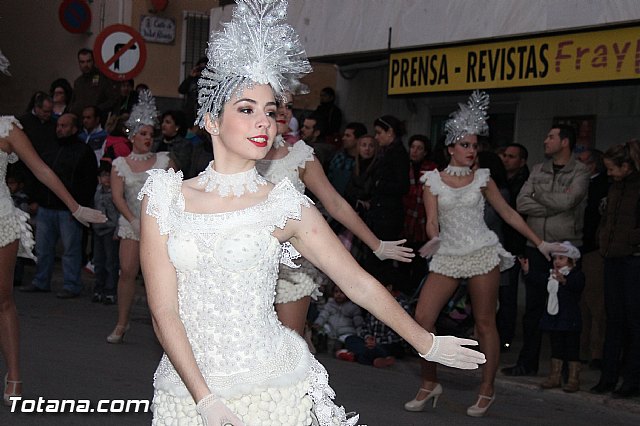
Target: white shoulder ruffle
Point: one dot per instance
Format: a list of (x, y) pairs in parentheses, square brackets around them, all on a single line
[(285, 195), (6, 124), (433, 181), (482, 177), (163, 189), (299, 154)]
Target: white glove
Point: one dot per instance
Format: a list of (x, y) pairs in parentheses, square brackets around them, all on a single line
[(85, 216), (214, 413), (448, 350), (430, 248), (135, 225), (547, 248), (394, 250)]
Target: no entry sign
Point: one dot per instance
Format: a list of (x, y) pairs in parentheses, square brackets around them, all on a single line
[(120, 52)]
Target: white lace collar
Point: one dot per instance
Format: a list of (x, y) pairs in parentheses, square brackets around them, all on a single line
[(457, 170), (237, 183)]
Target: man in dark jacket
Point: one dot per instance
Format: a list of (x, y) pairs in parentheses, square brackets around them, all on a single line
[(514, 159), (92, 87), (75, 164)]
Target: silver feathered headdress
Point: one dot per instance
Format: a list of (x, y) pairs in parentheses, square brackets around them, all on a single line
[(4, 64), (256, 47), (144, 113), (470, 119)]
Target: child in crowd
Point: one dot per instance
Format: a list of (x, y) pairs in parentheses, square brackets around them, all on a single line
[(15, 182), (106, 242), (562, 318), (377, 344), (339, 319)]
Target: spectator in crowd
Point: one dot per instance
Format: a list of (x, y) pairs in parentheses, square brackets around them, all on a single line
[(619, 239), (106, 243), (377, 344), (339, 319), (116, 143), (314, 134), (415, 218), (189, 88), (92, 132), (173, 126), (358, 191), (553, 200), (390, 177), (341, 165), (202, 153), (75, 165), (329, 113), (60, 92), (562, 318), (91, 87), (592, 305), (127, 97), (514, 158), (294, 126)]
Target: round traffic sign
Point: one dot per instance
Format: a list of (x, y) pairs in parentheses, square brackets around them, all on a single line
[(75, 16), (120, 52)]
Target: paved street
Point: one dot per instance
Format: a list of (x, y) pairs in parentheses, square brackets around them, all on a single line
[(65, 356)]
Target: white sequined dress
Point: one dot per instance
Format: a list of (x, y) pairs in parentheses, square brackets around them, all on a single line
[(133, 182), (468, 247), (227, 266), (13, 221), (293, 284)]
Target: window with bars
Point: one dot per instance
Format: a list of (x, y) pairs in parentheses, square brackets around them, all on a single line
[(196, 36)]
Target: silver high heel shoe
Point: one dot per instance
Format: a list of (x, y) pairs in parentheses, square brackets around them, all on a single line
[(476, 411), (7, 395), (117, 335), (415, 405)]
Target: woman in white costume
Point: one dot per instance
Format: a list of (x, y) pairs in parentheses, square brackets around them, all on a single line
[(464, 247), (16, 238), (296, 286), (128, 174), (210, 248)]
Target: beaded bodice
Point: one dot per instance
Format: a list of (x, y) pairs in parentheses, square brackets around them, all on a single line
[(227, 265), (133, 181), (287, 167), (461, 214), (6, 124)]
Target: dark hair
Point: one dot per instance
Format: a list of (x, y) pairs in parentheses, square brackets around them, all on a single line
[(96, 110), (37, 100), (64, 85), (85, 51), (566, 132), (202, 61), (524, 153), (141, 86), (359, 129), (357, 171), (329, 91), (74, 119), (387, 122), (491, 160), (321, 124), (596, 157), (625, 153), (104, 167), (179, 118), (425, 141)]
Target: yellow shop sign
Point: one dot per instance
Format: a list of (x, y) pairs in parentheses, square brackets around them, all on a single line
[(582, 57)]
